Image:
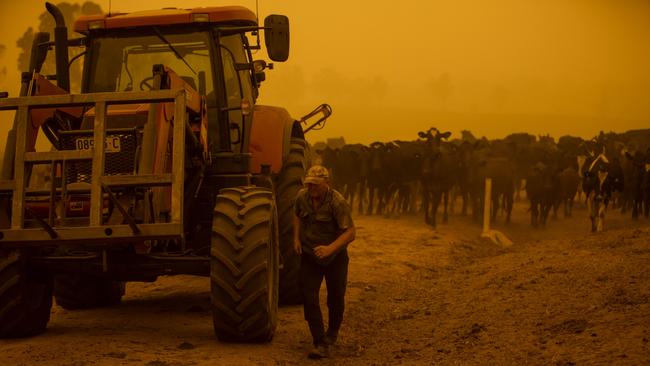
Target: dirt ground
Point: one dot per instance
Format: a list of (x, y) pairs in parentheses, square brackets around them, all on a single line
[(558, 296)]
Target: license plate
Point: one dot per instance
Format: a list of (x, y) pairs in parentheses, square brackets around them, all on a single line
[(86, 143)]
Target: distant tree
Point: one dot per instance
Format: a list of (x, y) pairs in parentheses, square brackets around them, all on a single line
[(441, 88), (46, 24), (24, 43)]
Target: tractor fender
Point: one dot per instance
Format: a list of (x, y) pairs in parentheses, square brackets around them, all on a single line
[(270, 137)]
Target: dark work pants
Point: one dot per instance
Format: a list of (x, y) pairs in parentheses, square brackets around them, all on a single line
[(336, 277)]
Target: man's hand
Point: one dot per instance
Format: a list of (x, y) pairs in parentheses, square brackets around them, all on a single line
[(297, 247), (323, 251)]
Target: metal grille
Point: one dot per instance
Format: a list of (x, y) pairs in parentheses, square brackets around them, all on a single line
[(120, 162)]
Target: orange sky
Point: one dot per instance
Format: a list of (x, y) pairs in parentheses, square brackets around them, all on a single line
[(554, 66)]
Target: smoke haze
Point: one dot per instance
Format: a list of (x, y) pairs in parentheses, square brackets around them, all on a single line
[(555, 67)]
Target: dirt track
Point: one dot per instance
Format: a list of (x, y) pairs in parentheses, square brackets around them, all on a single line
[(559, 296)]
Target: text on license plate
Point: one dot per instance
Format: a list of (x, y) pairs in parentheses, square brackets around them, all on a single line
[(86, 143)]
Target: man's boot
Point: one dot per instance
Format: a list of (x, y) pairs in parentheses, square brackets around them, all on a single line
[(319, 351)]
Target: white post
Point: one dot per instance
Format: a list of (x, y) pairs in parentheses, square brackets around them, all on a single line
[(487, 205), (495, 236)]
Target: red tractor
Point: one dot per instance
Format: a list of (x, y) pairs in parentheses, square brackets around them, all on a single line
[(192, 176)]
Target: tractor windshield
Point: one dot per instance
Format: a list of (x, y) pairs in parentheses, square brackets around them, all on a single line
[(122, 62)]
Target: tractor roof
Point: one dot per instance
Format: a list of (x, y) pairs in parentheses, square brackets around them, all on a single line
[(236, 15)]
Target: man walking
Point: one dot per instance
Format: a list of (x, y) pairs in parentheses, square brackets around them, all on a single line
[(323, 228)]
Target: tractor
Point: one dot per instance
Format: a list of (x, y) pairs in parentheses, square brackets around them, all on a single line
[(163, 164)]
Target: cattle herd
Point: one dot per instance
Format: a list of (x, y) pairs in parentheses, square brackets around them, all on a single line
[(430, 173)]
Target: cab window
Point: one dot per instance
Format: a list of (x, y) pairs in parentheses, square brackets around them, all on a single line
[(237, 85), (123, 62)]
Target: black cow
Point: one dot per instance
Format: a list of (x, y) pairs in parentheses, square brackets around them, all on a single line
[(463, 174), (353, 172), (500, 170), (500, 167), (520, 144), (436, 174), (405, 163), (635, 167), (378, 176), (539, 192), (569, 181), (329, 158)]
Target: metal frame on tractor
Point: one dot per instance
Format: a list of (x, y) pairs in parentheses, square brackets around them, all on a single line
[(95, 232)]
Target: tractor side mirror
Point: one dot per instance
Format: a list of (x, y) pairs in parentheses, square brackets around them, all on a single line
[(276, 37)]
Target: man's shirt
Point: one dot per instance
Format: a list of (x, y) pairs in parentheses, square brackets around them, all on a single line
[(323, 225)]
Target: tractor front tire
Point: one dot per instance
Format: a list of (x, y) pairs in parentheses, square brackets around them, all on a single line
[(244, 265), (25, 298), (74, 292), (288, 182)]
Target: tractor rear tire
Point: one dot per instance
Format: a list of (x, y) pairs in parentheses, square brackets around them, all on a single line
[(244, 265), (74, 292), (25, 298), (288, 182)]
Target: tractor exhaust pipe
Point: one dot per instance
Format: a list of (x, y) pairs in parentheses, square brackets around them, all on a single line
[(60, 47)]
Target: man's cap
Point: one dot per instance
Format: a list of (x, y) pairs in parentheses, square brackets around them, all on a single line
[(317, 174)]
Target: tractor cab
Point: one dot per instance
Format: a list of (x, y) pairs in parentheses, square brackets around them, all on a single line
[(207, 50)]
